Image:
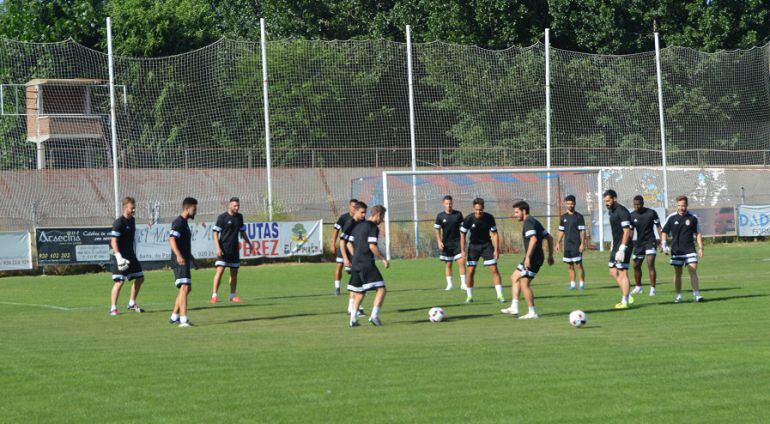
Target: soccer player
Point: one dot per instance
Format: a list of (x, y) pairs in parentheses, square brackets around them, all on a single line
[(125, 265), (447, 228), (572, 229), (346, 244), (620, 256), (644, 221), (532, 235), (180, 239), (682, 227), (344, 219), (364, 274), (484, 244), (226, 230)]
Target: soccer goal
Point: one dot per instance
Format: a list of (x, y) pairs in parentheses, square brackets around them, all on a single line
[(413, 198)]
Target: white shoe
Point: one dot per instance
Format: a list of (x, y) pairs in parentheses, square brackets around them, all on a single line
[(448, 287), (184, 325), (637, 290), (529, 315), (678, 299), (652, 291), (510, 311)]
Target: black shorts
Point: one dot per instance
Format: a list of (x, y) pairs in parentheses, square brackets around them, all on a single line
[(133, 272), (229, 259), (363, 279), (644, 249), (572, 255), (181, 272), (451, 252), (683, 258), (481, 251), (534, 267), (624, 264)]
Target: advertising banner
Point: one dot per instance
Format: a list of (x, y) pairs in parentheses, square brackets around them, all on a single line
[(56, 246), (753, 220), (15, 251)]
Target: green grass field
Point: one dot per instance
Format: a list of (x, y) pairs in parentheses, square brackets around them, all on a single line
[(287, 354)]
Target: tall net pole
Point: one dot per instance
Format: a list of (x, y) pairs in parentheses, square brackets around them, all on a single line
[(662, 121), (266, 108), (113, 120), (548, 123), (412, 138)]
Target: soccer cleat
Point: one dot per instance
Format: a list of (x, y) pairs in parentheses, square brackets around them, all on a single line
[(448, 287), (361, 312), (500, 299), (236, 299), (375, 321), (336, 291), (214, 299), (530, 315), (571, 287), (678, 298), (135, 308), (630, 300), (173, 321), (652, 291), (114, 312), (469, 299), (637, 290), (510, 311), (621, 305), (354, 324), (185, 324), (699, 299), (582, 287), (463, 287)]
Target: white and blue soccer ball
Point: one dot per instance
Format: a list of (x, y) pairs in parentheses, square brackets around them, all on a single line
[(577, 318), (436, 314)]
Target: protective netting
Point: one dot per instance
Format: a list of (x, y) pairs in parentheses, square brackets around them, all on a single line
[(193, 124)]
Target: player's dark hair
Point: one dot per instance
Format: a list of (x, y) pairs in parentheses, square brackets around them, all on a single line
[(378, 210), (128, 200), (447, 197), (570, 198), (478, 201), (189, 201), (360, 205), (522, 205), (352, 201), (235, 199), (612, 193), (683, 197), (639, 198)]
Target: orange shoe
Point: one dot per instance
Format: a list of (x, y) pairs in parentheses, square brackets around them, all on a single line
[(214, 299), (236, 299)]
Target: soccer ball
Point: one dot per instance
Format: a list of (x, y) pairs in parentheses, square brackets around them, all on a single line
[(436, 314), (577, 318)]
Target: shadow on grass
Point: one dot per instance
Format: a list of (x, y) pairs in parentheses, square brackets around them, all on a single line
[(420, 308), (453, 318), (201, 308)]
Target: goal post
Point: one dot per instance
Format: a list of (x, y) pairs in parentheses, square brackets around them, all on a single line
[(503, 185)]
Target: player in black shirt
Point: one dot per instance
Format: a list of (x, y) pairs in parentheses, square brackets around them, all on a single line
[(644, 221), (125, 265), (532, 235), (229, 225), (620, 257), (447, 228), (683, 229), (364, 275), (358, 215), (484, 244), (344, 219), (572, 229), (180, 240)]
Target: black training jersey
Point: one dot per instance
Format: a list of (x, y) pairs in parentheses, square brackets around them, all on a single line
[(124, 230), (644, 222), (229, 226), (533, 228), (342, 221), (682, 229), (181, 231), (571, 224), (479, 228), (620, 219), (449, 224), (364, 234), (347, 230)]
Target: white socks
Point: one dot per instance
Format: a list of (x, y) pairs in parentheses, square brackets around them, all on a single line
[(375, 312), (582, 284), (183, 319), (113, 308), (624, 300), (350, 306), (696, 293), (532, 311), (499, 290), (131, 303), (515, 306), (337, 284), (449, 283), (572, 284), (462, 282), (469, 291), (213, 295), (174, 317)]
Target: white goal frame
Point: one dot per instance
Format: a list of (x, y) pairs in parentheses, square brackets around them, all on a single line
[(585, 169)]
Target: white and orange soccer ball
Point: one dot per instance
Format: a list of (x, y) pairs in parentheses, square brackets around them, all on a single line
[(578, 318), (436, 314)]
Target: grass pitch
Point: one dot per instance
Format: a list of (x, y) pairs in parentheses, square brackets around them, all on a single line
[(287, 355)]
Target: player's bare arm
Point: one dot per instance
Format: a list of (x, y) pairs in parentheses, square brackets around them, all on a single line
[(217, 244), (495, 244), (344, 246), (376, 252), (559, 240), (462, 246), (175, 248), (333, 243), (549, 241), (438, 239), (699, 239)]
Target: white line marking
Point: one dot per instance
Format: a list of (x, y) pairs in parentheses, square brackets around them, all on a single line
[(59, 308)]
